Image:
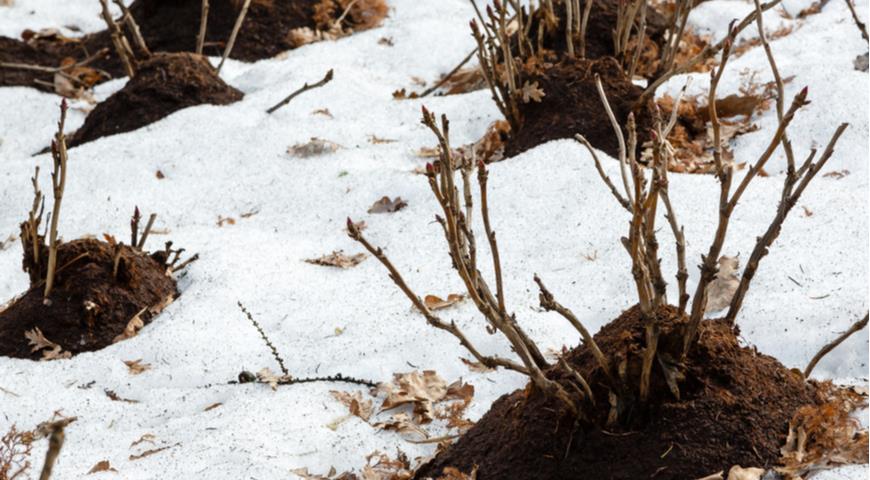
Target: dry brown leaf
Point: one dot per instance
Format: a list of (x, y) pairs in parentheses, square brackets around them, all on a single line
[(837, 174), (338, 259), (305, 35), (116, 398), (722, 288), (314, 147), (476, 367), (531, 92), (136, 366), (306, 475), (270, 378), (355, 403), (51, 350), (323, 111), (380, 466), (133, 326), (212, 406), (102, 466), (402, 423), (428, 152), (453, 473), (385, 205), (222, 220), (420, 389), (146, 437), (739, 473), (437, 303)]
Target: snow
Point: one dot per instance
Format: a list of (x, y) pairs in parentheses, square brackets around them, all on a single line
[(553, 215)]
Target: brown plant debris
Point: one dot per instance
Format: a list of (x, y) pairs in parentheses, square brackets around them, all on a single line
[(385, 205), (15, 449), (825, 435), (357, 406), (721, 290), (136, 367), (434, 302), (102, 466), (312, 148), (338, 259)]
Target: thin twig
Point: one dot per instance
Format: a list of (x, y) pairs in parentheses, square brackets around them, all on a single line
[(861, 26), (203, 23), (269, 344), (304, 88), (122, 47), (449, 75), (134, 28), (147, 230), (232, 41), (58, 182), (856, 327)]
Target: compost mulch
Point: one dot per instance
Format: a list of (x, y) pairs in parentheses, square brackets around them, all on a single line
[(88, 308), (734, 408)]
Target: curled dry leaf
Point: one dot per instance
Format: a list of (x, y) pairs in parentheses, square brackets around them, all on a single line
[(476, 367), (722, 288), (146, 437), (136, 366), (739, 473), (148, 453), (379, 466), (385, 205), (133, 326), (404, 424), (355, 403), (453, 473), (532, 92), (437, 303), (331, 475), (51, 350), (269, 377), (312, 148), (102, 466), (837, 174), (420, 389), (338, 259)]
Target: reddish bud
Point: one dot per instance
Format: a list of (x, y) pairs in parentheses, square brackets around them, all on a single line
[(349, 224), (429, 168), (63, 105), (481, 165), (805, 91)]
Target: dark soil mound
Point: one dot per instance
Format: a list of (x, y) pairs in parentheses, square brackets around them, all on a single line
[(88, 306), (167, 82), (734, 410), (571, 105), (173, 25)]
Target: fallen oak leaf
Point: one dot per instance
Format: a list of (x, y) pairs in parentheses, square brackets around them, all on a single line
[(434, 302), (102, 466), (136, 366), (338, 259), (531, 92), (420, 390), (355, 403), (51, 350), (402, 423), (721, 290), (385, 205)]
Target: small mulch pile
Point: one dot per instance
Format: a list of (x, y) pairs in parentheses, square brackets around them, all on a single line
[(173, 25), (88, 308), (571, 105), (734, 409), (165, 83)]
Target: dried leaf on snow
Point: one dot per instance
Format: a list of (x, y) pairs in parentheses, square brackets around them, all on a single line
[(420, 389), (102, 466), (270, 378), (355, 403), (338, 259), (434, 302), (136, 366), (739, 473), (532, 92), (385, 205), (402, 423), (314, 147)]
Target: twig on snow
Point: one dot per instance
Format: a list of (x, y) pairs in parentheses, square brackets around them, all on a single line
[(856, 327), (304, 88)]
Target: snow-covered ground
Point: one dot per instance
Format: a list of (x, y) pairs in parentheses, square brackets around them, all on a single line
[(553, 215)]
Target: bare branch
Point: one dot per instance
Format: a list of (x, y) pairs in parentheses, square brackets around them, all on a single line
[(203, 24), (58, 182), (122, 47), (856, 327), (232, 41), (304, 88)]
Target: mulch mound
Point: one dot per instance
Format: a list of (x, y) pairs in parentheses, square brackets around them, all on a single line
[(571, 105), (165, 83), (88, 307), (734, 410), (173, 25)]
